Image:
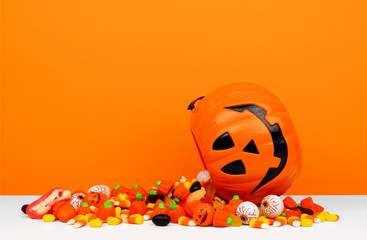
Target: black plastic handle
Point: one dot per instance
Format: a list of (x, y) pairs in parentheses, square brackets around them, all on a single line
[(192, 104)]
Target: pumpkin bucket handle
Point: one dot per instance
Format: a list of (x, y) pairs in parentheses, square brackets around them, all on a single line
[(192, 104)]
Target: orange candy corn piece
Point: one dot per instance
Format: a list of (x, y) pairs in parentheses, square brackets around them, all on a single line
[(255, 223), (280, 221)]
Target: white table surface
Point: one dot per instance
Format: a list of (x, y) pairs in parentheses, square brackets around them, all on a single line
[(352, 210)]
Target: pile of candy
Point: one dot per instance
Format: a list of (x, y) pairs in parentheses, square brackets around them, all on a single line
[(188, 203)]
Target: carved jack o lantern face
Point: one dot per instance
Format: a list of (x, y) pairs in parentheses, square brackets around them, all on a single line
[(95, 198), (203, 214), (246, 141)]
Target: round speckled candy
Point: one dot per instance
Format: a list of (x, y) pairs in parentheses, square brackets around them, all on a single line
[(272, 206), (247, 211)]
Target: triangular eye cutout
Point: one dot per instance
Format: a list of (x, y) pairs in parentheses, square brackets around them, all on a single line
[(238, 108), (223, 142), (251, 148)]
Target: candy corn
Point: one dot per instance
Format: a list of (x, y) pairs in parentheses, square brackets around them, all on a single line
[(95, 223), (280, 221), (148, 215), (332, 217), (186, 221), (313, 218), (94, 210), (321, 216), (188, 194), (294, 221), (306, 220), (266, 220), (135, 219), (114, 220), (81, 222), (90, 216), (255, 223)]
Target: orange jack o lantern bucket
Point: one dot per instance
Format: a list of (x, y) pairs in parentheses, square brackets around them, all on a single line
[(247, 141)]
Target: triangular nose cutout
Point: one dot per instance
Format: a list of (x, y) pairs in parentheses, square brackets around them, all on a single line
[(251, 148)]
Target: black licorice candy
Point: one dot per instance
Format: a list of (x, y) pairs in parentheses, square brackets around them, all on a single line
[(161, 220)]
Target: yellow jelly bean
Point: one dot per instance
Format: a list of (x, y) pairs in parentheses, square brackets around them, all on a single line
[(48, 218), (95, 223)]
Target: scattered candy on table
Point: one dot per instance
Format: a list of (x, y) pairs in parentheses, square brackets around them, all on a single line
[(184, 202)]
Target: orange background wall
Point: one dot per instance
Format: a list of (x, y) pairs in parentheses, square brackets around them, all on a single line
[(96, 91)]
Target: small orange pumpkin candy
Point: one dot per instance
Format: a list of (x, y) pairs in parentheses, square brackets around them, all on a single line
[(164, 187), (137, 193), (84, 209), (156, 204), (235, 201), (229, 208), (190, 207), (105, 211), (159, 209), (175, 212), (138, 207), (204, 214), (119, 189), (180, 192), (221, 218)]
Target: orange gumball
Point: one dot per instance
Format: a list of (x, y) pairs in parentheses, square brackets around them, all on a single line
[(247, 141), (65, 212), (204, 214)]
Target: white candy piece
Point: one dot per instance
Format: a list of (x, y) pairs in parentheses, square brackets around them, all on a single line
[(101, 188), (75, 200), (272, 206), (247, 211), (203, 175)]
